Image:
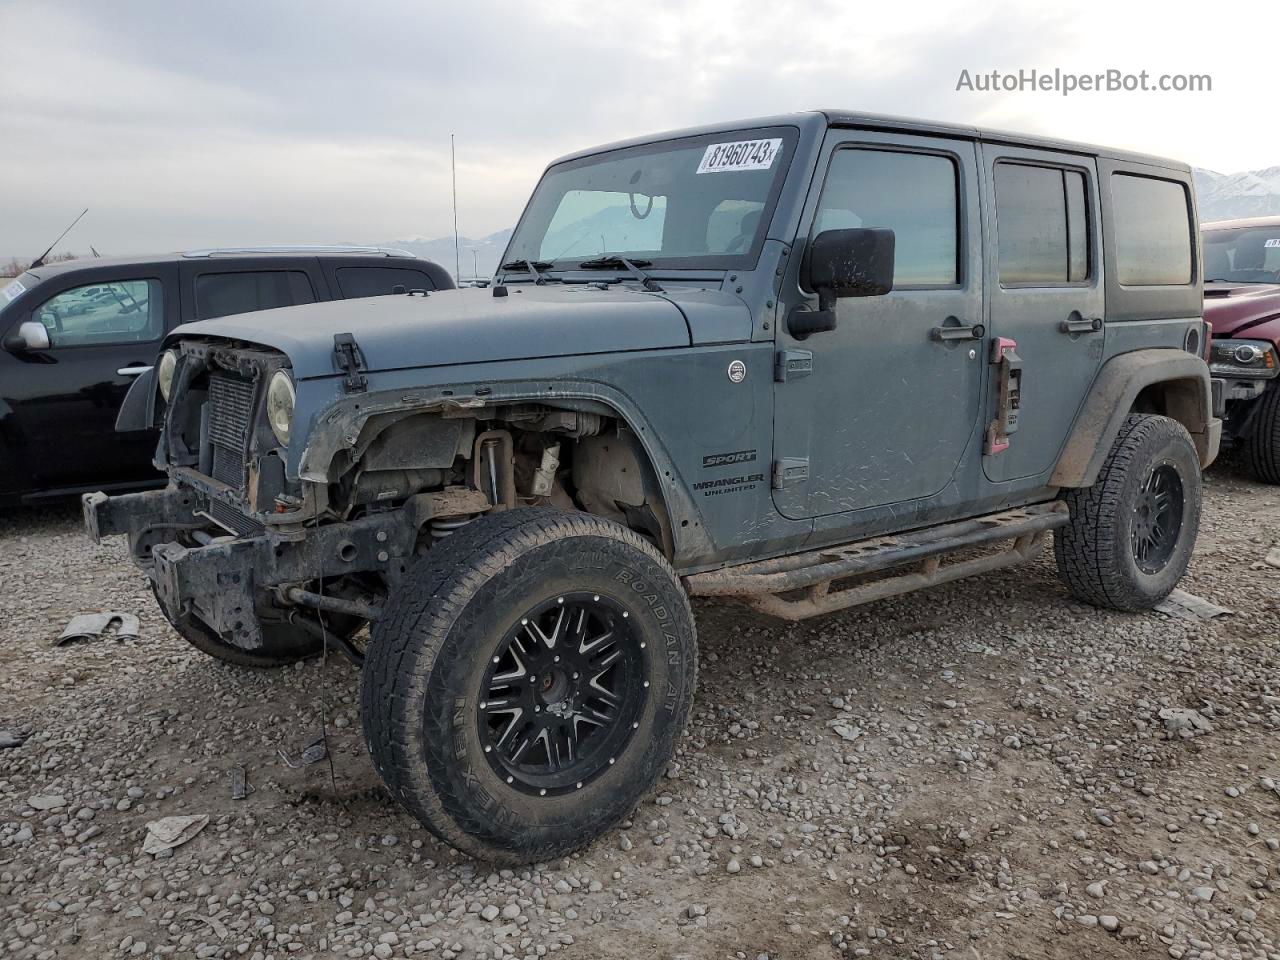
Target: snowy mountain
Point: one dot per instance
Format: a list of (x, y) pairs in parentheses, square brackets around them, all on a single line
[(477, 258), (1226, 196)]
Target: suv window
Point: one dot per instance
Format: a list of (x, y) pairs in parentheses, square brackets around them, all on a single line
[(379, 281), (913, 194), (222, 294), (1041, 224), (1152, 229), (121, 311)]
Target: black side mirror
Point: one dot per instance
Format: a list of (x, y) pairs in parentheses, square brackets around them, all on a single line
[(843, 263)]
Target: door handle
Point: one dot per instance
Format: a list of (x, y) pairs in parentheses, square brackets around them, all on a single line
[(975, 332), (1079, 324), (134, 370)]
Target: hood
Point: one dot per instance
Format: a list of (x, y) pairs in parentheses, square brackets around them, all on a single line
[(463, 326), (1243, 309)]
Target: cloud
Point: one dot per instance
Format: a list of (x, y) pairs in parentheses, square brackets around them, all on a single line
[(237, 122)]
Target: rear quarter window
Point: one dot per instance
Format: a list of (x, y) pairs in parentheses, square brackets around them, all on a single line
[(1152, 228), (379, 281)]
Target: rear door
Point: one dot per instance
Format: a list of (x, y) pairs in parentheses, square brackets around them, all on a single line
[(1046, 293), (103, 333)]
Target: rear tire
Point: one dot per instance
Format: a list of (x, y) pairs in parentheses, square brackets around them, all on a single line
[(1262, 445), (1132, 533), (594, 618)]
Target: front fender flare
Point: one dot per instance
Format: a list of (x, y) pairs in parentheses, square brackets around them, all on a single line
[(338, 427), (1112, 397)]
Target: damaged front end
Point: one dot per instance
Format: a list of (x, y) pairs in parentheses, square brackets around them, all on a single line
[(239, 548), (242, 550)]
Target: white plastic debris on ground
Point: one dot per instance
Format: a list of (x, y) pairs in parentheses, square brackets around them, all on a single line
[(169, 832), (1187, 606)]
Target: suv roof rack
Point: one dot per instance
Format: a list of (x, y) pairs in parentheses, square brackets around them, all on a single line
[(315, 248)]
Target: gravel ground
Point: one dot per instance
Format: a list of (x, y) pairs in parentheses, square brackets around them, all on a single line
[(977, 771)]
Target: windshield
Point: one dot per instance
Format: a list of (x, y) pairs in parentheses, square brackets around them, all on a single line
[(697, 202), (1242, 254)]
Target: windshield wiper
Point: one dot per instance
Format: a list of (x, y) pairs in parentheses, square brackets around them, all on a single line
[(610, 261), (530, 266)]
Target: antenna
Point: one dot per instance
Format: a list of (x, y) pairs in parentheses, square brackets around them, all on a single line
[(457, 251), (94, 250), (40, 259)]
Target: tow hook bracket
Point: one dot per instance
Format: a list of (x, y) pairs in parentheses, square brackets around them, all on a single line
[(349, 359)]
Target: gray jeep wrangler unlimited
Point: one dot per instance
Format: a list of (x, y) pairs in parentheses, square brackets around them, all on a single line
[(806, 361)]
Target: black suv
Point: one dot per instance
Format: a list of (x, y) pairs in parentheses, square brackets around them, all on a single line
[(76, 334)]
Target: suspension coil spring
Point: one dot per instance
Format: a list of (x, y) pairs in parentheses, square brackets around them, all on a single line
[(442, 527)]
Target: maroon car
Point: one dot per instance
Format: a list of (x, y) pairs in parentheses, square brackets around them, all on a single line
[(1242, 302)]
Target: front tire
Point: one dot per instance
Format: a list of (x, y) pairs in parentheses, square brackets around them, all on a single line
[(528, 682), (1132, 533), (1262, 445)]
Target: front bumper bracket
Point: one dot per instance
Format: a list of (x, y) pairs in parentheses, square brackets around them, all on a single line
[(226, 582)]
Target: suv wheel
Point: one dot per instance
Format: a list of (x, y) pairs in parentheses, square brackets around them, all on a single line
[(1262, 445), (283, 644), (1131, 534), (528, 682)]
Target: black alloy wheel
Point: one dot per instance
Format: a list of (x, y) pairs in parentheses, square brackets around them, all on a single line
[(1157, 519), (562, 694)]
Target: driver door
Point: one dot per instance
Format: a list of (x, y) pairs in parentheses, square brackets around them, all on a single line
[(880, 410), (102, 334)]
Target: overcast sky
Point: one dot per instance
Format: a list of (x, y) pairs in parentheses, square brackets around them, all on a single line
[(184, 124)]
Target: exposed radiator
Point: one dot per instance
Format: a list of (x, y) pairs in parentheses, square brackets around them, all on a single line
[(230, 417)]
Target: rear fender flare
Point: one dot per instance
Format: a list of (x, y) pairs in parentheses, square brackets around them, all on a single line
[(1182, 384)]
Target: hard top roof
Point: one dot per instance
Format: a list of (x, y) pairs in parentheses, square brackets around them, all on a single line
[(874, 121)]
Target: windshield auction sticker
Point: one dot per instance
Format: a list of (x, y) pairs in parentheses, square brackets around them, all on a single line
[(13, 291), (742, 155)]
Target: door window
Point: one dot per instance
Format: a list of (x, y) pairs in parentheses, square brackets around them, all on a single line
[(116, 311), (1042, 225), (380, 281), (913, 194), (224, 294)]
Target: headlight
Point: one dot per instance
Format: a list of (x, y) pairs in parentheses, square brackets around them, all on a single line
[(280, 406), (164, 372), (1243, 358)]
